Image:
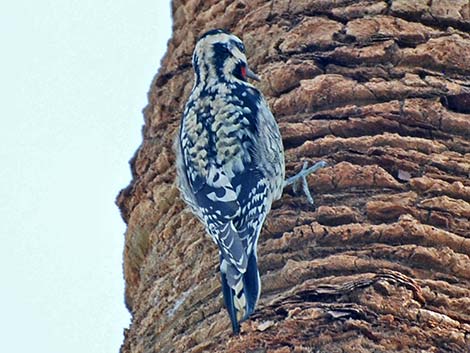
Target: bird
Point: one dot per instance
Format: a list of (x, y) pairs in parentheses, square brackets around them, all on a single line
[(230, 163)]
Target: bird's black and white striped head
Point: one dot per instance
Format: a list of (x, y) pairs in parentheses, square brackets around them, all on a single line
[(220, 56)]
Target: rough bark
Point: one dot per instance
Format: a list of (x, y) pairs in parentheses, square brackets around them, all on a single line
[(381, 91)]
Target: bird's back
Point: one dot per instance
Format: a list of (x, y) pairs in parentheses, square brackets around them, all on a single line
[(230, 164), (231, 128)]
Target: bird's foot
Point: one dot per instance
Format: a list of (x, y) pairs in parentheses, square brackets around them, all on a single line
[(301, 177)]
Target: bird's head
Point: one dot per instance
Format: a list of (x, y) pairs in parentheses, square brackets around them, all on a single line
[(221, 56)]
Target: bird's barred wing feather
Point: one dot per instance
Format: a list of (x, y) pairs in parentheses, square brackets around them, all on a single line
[(253, 190), (269, 154), (215, 200)]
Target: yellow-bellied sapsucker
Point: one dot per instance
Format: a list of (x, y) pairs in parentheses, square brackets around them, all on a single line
[(230, 163)]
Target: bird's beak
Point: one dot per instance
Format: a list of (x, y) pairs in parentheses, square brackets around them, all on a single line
[(252, 75)]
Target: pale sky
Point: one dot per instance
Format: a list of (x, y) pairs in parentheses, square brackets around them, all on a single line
[(74, 77)]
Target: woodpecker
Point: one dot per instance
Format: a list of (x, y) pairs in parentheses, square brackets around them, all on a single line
[(230, 163)]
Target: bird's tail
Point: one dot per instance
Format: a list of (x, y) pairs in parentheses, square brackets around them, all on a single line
[(241, 290)]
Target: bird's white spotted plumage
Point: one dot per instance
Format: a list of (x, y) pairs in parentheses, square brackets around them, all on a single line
[(230, 163)]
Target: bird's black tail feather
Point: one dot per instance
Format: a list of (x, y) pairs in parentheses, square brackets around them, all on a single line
[(240, 297)]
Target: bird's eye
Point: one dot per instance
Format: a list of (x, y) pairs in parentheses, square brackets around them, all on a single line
[(236, 44), (221, 48), (239, 45)]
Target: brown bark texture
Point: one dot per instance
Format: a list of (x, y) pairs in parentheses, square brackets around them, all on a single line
[(381, 91)]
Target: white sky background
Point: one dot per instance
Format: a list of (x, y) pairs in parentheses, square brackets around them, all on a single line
[(74, 77)]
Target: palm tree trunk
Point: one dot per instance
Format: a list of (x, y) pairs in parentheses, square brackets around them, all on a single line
[(381, 91)]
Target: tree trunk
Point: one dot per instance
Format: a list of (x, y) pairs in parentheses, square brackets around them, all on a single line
[(381, 91)]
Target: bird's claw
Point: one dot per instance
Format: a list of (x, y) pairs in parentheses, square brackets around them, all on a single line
[(302, 177)]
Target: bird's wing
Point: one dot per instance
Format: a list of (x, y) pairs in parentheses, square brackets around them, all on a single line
[(262, 181), (217, 201), (252, 198), (269, 153)]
